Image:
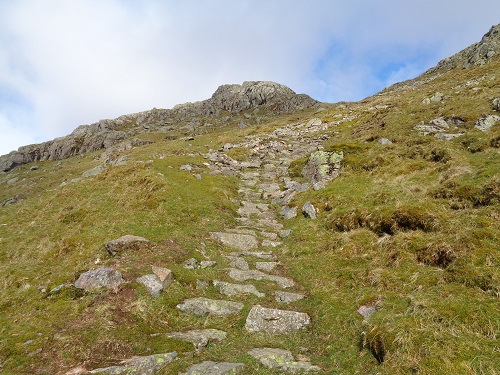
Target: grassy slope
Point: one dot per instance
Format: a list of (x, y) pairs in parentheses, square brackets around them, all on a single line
[(438, 284)]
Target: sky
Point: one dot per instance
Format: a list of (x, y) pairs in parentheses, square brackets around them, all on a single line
[(64, 63)]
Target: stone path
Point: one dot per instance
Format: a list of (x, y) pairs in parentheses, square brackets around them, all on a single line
[(259, 235)]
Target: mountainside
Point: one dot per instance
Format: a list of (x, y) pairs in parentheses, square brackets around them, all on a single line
[(262, 232)]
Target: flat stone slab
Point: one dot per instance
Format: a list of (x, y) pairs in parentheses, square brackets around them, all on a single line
[(266, 266), (282, 359), (101, 277), (213, 368), (199, 337), (262, 319), (236, 240), (127, 242), (204, 306), (238, 262), (287, 297), (147, 365), (230, 289), (242, 275)]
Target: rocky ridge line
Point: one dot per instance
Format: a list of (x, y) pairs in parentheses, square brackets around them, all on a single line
[(231, 99)]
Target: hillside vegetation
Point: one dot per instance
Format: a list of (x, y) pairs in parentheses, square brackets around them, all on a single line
[(409, 227)]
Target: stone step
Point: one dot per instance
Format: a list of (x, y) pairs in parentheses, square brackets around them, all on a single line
[(204, 306), (274, 321), (200, 338), (281, 359), (241, 275), (230, 289), (213, 368)]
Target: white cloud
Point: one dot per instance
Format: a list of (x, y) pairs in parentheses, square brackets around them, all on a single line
[(75, 62)]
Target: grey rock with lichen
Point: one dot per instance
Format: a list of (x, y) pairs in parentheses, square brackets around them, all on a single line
[(230, 289), (213, 368), (274, 321), (147, 365), (281, 359), (236, 240), (102, 277), (203, 307)]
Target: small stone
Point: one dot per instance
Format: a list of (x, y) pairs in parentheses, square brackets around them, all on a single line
[(267, 243), (437, 97), (288, 212), (287, 297), (186, 167), (308, 210), (426, 101), (274, 321), (284, 233), (496, 104), (33, 167), (238, 262), (152, 284), (203, 307), (164, 275), (213, 368), (200, 338), (207, 263), (485, 123), (384, 141), (101, 277), (191, 264), (230, 289), (201, 284)]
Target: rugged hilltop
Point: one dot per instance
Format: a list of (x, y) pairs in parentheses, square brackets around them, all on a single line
[(227, 101), (262, 232)]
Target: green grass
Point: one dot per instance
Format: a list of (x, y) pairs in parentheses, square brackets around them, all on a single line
[(414, 224)]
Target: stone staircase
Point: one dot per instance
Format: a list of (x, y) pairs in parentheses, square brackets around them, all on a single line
[(252, 250)]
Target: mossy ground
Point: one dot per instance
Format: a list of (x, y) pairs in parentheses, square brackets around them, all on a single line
[(414, 224)]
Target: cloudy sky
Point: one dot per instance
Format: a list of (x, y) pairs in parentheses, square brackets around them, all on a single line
[(64, 63)]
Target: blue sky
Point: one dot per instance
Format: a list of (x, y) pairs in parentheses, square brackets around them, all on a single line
[(64, 63)]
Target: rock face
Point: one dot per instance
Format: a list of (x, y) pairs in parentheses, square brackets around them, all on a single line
[(101, 277), (127, 242), (262, 319), (477, 54), (105, 134), (148, 365)]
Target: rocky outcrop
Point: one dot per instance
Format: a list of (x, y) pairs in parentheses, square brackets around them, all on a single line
[(234, 99)]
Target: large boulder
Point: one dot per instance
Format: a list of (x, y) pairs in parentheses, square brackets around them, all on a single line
[(322, 167)]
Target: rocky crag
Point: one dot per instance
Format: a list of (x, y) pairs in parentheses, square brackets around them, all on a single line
[(228, 100)]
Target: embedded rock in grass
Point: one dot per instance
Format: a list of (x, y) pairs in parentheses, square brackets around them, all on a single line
[(484, 123), (152, 284), (101, 277), (288, 212), (199, 337), (256, 254), (213, 368), (230, 289), (127, 242), (262, 319), (236, 240), (148, 365), (238, 262), (164, 275), (308, 210), (384, 141), (322, 167), (287, 297), (282, 359), (496, 104), (266, 266), (241, 275), (203, 307)]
